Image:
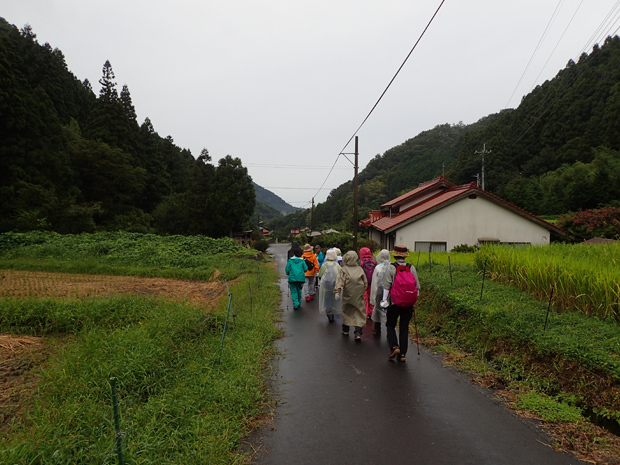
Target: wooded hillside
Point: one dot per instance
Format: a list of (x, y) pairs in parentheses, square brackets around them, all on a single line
[(72, 161), (557, 152)]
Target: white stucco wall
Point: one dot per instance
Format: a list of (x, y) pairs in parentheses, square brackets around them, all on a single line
[(467, 220)]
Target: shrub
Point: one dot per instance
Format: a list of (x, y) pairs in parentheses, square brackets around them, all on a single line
[(602, 222), (464, 248), (260, 245)]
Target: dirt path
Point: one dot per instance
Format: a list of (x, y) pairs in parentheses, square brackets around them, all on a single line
[(19, 355)]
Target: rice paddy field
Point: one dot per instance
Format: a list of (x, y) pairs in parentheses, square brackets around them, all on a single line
[(583, 278), (125, 345)]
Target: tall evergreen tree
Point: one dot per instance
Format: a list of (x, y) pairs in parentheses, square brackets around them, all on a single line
[(130, 111), (108, 92)]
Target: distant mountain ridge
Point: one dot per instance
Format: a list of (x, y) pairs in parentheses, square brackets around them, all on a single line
[(270, 205)]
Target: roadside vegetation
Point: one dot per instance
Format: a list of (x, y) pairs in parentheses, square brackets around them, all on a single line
[(189, 379), (552, 357)]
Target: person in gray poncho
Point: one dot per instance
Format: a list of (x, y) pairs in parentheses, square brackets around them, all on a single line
[(328, 305), (376, 291), (350, 286)]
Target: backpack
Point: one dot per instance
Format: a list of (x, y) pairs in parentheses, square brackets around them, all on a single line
[(368, 265), (404, 292), (309, 264)]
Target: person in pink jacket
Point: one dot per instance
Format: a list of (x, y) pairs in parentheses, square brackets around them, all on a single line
[(368, 263)]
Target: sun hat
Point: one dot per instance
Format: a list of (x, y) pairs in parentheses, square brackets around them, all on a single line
[(307, 248), (317, 246), (400, 250), (331, 256)]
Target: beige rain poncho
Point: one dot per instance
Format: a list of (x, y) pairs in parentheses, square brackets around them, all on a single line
[(351, 284)]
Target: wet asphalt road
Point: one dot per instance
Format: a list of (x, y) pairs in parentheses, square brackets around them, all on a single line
[(344, 402)]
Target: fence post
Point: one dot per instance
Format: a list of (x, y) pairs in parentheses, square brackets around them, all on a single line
[(484, 273), (229, 301), (225, 325), (549, 306), (430, 265), (117, 422), (250, 289)]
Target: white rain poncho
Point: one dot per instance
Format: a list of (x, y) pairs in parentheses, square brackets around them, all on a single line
[(376, 287), (328, 274)]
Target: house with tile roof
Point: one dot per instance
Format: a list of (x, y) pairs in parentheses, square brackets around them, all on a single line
[(439, 215)]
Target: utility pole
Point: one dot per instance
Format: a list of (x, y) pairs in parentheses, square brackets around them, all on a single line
[(312, 216), (484, 151), (355, 198)]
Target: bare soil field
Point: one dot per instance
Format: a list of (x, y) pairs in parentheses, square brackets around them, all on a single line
[(21, 356)]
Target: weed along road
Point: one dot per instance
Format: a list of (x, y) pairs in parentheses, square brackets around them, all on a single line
[(343, 402)]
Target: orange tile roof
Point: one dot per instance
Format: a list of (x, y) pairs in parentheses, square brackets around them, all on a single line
[(421, 188), (445, 198)]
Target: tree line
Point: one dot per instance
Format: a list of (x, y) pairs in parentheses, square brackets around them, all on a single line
[(72, 161)]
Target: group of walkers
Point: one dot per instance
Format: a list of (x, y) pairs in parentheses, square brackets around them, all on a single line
[(360, 288)]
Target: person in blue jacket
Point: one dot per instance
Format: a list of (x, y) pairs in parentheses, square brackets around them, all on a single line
[(296, 271), (319, 255)]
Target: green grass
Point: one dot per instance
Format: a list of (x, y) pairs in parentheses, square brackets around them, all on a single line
[(548, 408), (505, 327), (181, 400), (126, 254)]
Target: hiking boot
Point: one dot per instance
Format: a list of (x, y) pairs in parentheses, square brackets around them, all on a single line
[(307, 298), (330, 318), (395, 352), (312, 297), (345, 333), (401, 358), (358, 337)]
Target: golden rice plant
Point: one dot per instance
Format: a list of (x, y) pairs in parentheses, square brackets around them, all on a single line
[(583, 277)]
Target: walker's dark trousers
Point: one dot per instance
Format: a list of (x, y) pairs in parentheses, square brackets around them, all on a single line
[(405, 314)]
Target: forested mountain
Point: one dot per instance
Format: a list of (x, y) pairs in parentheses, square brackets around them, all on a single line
[(270, 205), (559, 151), (72, 161)]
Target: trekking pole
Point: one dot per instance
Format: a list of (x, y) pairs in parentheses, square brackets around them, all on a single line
[(415, 324)]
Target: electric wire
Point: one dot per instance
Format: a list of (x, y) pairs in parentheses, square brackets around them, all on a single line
[(558, 42), (553, 16), (383, 93), (548, 102)]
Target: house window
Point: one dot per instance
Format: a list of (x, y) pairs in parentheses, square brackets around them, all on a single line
[(432, 246)]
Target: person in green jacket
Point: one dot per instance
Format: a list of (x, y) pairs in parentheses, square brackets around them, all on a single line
[(296, 271)]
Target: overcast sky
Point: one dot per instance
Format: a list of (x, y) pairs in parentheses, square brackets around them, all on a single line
[(284, 84)]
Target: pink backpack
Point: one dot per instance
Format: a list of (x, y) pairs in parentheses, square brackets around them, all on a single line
[(404, 292)]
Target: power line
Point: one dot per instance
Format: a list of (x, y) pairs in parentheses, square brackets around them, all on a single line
[(288, 167), (298, 188), (385, 90), (534, 53), (544, 106)]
